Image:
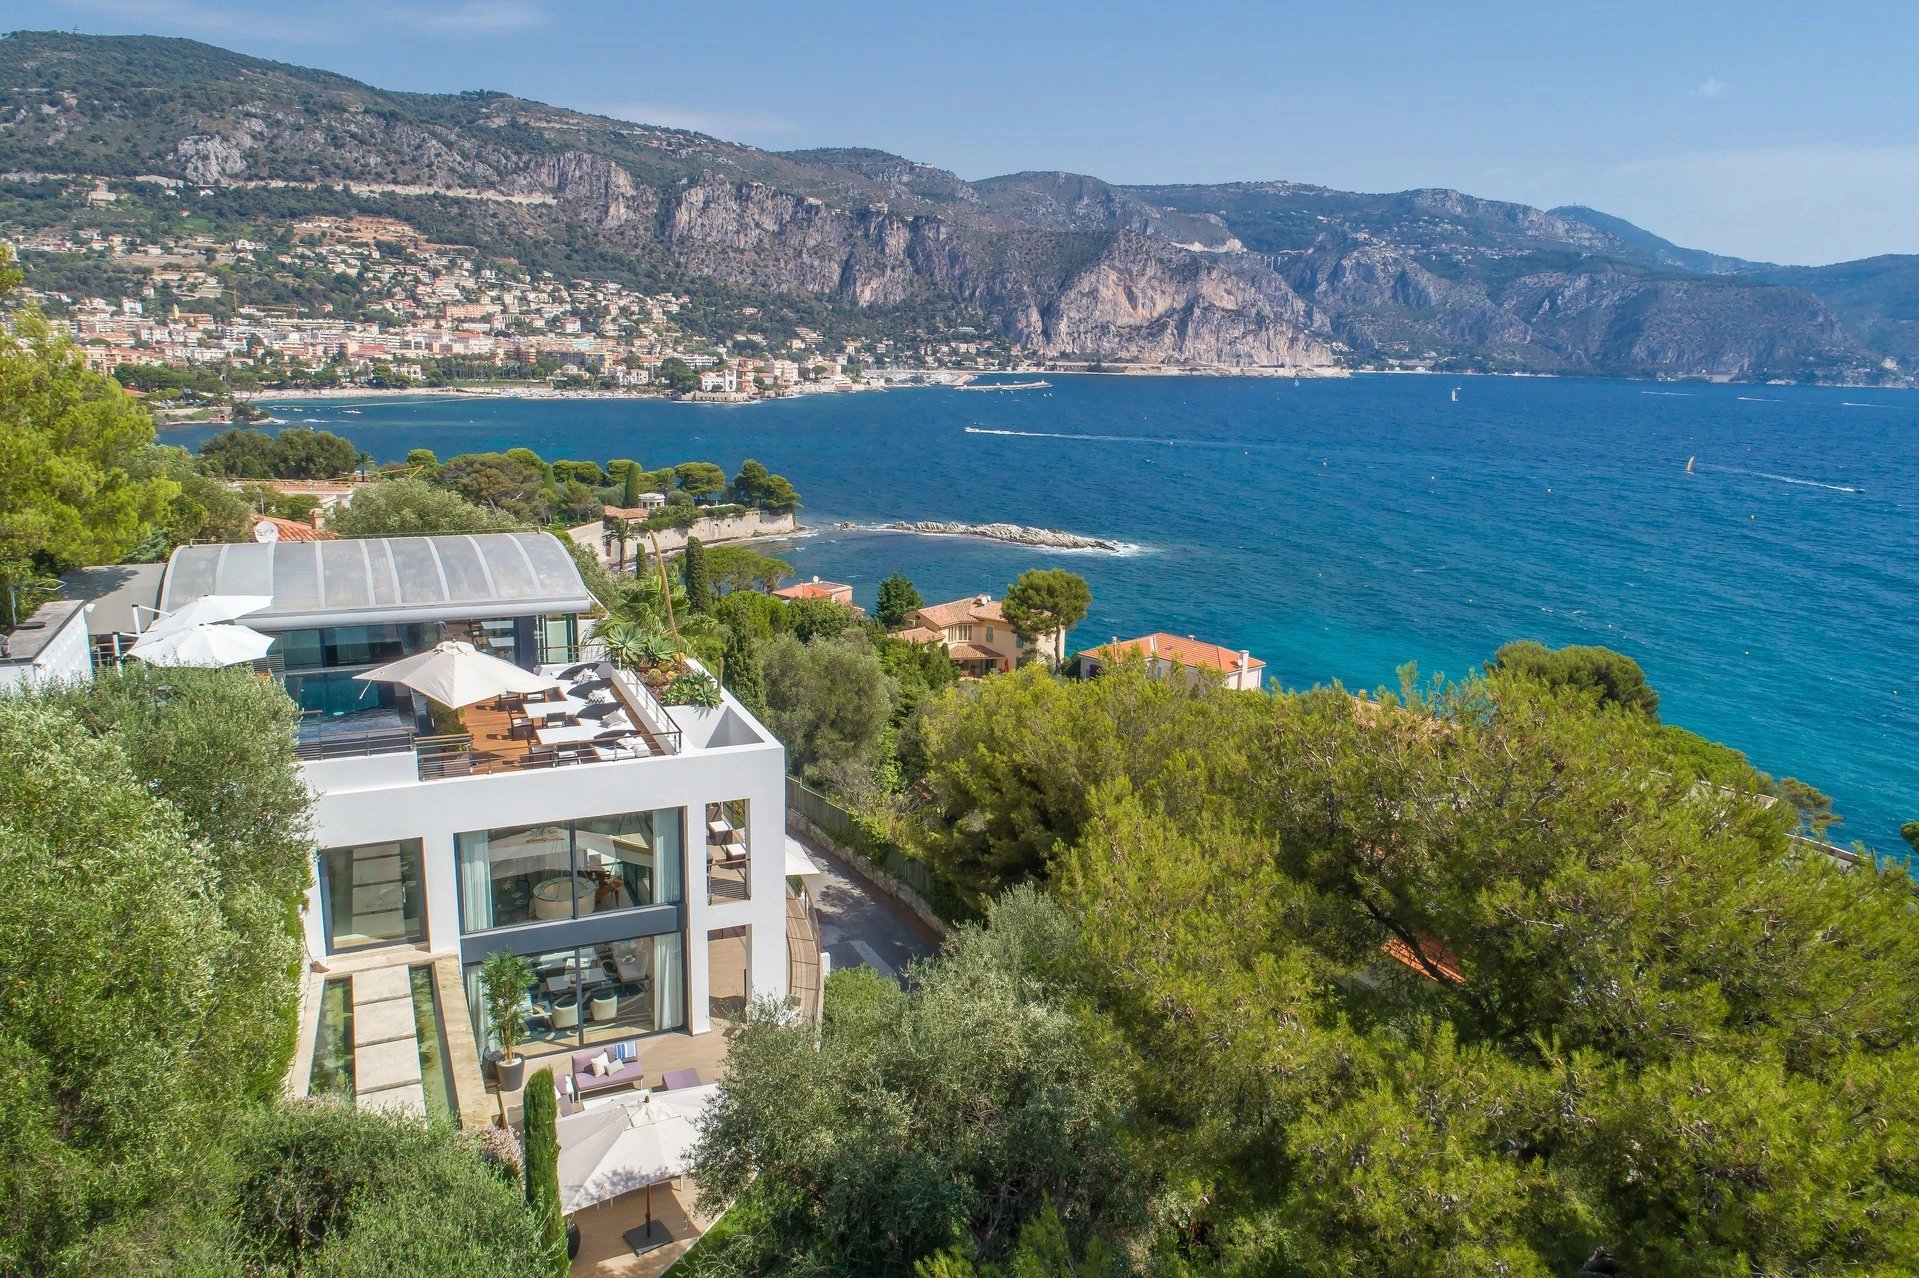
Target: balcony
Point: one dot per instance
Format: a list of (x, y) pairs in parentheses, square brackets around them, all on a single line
[(497, 738)]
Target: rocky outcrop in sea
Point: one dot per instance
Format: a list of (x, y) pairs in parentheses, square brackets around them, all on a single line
[(1019, 534)]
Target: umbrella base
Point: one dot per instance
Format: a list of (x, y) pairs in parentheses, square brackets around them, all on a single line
[(648, 1237)]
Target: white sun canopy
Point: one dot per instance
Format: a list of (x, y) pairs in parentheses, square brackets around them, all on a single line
[(618, 1148), (203, 646), (208, 610), (455, 673)]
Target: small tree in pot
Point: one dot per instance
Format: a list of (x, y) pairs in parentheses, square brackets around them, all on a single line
[(504, 980)]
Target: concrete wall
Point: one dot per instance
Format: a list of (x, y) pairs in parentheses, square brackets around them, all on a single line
[(63, 656), (754, 523)]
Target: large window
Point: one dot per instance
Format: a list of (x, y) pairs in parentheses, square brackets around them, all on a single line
[(372, 893), (567, 869), (596, 993)]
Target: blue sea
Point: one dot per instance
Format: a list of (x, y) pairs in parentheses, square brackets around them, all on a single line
[(1340, 528)]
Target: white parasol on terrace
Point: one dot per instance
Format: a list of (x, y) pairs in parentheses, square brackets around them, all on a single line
[(635, 1144), (206, 611), (202, 645), (456, 674)]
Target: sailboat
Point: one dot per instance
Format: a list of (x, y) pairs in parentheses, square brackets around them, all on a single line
[(1455, 394), (1689, 462)]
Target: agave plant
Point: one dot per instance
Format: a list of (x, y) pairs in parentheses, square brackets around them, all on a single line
[(636, 646), (693, 688)]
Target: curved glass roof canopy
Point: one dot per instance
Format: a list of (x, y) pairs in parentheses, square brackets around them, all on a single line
[(383, 580)]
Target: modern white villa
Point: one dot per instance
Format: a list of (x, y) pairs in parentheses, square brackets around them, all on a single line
[(633, 851)]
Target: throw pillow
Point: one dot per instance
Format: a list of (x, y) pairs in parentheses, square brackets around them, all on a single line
[(601, 1065), (617, 719)]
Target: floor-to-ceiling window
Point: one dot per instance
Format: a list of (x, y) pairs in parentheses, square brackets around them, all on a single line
[(596, 993), (373, 894), (568, 869)]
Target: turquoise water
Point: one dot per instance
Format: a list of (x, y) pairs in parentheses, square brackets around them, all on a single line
[(1339, 528)]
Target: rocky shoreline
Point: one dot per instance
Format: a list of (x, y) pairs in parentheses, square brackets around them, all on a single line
[(1018, 534)]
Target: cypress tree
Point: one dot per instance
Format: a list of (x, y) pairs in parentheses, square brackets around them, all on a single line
[(540, 1114), (697, 576), (635, 477)]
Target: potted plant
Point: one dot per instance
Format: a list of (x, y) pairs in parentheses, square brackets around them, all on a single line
[(504, 980)]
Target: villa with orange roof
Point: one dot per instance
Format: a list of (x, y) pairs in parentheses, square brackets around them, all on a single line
[(977, 637), (1166, 653), (837, 592)]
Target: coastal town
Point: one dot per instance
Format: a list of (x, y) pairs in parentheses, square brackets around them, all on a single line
[(430, 315)]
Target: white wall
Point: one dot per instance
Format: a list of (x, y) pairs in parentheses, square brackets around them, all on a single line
[(65, 658), (373, 800)]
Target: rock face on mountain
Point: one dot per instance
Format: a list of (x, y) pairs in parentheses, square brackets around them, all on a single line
[(1234, 275)]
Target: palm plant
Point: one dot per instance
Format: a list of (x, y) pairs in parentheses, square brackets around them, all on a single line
[(504, 980)]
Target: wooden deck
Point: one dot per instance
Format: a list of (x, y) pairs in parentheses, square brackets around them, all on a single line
[(496, 749), (604, 1251)]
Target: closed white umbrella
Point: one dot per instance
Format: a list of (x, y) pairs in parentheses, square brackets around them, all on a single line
[(208, 610), (635, 1145), (456, 674), (202, 646)]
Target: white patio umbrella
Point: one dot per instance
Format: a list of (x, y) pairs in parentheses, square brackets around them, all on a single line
[(632, 1145), (202, 646), (456, 674), (207, 610)]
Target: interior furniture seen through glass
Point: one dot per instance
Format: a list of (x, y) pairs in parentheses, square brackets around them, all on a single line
[(568, 869), (373, 894), (595, 994)]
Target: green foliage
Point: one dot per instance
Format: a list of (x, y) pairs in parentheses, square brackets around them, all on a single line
[(829, 702), (809, 620), (540, 1114), (947, 1115), (692, 688), (413, 508), (201, 508), (423, 460), (755, 615), (1910, 833), (500, 482), (75, 484), (322, 1191), (1623, 1016), (696, 577), (735, 568), (899, 599), (153, 841), (1613, 677), (675, 374), (754, 486), (1046, 601), (295, 453), (632, 485), (584, 472), (699, 479), (744, 676), (505, 978)]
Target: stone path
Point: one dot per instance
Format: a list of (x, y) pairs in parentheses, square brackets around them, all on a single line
[(386, 1043)]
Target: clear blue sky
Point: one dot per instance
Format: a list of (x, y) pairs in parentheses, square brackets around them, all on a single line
[(1776, 131)]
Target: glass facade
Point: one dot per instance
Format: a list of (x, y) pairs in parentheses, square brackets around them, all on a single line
[(373, 894), (596, 993), (568, 869), (320, 664)]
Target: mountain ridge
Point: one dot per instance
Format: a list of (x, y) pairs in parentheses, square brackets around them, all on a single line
[(1065, 265)]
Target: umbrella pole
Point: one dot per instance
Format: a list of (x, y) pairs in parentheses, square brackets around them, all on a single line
[(649, 1209)]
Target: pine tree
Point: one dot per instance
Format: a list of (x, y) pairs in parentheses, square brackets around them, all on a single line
[(899, 599)]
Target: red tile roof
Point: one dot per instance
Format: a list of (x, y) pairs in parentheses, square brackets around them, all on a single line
[(959, 611), (1438, 959), (288, 530), (815, 590), (1188, 652), (919, 634)]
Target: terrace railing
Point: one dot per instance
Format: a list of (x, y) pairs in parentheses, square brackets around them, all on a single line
[(320, 737)]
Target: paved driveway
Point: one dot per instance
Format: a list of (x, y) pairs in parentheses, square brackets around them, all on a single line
[(861, 925)]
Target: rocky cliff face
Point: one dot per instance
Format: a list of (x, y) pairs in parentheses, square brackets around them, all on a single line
[(1267, 273)]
